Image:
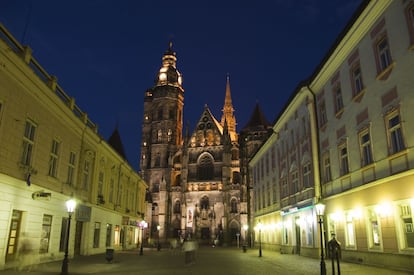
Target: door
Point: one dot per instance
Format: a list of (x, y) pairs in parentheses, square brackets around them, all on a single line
[(13, 241), (78, 238)]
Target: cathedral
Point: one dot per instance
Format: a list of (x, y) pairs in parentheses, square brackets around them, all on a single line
[(197, 187)]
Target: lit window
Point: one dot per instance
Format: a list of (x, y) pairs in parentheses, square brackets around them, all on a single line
[(406, 215), (159, 135), (395, 135), (169, 135), (365, 146), (375, 230), (54, 157), (350, 231), (45, 236)]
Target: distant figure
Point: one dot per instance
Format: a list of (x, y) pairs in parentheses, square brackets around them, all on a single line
[(189, 248), (25, 255)]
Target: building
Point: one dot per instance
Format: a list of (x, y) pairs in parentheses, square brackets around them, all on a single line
[(194, 180), (51, 152), (344, 140)]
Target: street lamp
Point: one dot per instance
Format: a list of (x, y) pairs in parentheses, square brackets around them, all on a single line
[(142, 224), (70, 206), (320, 209), (158, 245), (260, 227)]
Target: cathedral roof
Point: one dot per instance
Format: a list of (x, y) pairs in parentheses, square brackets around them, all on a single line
[(116, 143), (257, 121)]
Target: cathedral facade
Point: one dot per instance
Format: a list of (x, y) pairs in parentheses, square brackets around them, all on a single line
[(195, 186)]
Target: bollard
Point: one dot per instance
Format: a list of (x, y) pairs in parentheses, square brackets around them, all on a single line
[(244, 248), (109, 255)]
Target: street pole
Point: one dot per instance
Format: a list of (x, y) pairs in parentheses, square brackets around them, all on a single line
[(70, 205)]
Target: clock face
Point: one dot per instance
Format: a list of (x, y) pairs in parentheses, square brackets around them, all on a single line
[(163, 76)]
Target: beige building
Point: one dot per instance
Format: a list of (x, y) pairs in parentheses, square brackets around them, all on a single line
[(51, 152), (350, 121)]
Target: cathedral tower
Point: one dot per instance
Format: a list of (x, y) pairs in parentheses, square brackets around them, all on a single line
[(162, 132)]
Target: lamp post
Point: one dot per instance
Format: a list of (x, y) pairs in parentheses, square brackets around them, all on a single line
[(158, 230), (142, 224), (260, 227), (320, 209), (70, 206)]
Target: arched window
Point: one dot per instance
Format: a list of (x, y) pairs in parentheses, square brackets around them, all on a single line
[(205, 169), (236, 177), (204, 203), (233, 205), (157, 160), (177, 207)]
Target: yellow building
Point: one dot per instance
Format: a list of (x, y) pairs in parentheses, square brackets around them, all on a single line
[(50, 152), (353, 142)]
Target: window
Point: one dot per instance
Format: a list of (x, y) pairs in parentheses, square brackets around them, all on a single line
[(205, 168), (274, 189), (409, 15), (327, 177), (284, 185), (307, 180), (159, 135), (85, 182), (169, 135), (45, 236), (375, 232), (268, 194), (343, 160), (177, 207), (295, 182), (350, 231), (100, 183), (384, 55), (395, 136), (322, 113), (406, 215), (160, 114), (273, 157), (365, 146), (96, 233), (356, 79), (54, 157), (108, 235), (111, 190), (339, 104), (233, 206), (71, 168), (28, 143)]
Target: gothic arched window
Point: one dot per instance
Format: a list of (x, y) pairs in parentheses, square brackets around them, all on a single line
[(204, 203), (233, 206), (177, 207), (205, 168)]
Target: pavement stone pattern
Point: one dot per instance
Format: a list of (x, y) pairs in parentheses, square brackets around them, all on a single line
[(206, 260)]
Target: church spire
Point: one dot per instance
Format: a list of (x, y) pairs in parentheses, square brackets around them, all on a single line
[(228, 110)]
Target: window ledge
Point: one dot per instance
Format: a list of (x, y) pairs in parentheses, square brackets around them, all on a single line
[(386, 72), (358, 97), (339, 113)]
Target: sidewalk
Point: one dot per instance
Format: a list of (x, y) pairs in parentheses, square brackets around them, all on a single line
[(208, 261)]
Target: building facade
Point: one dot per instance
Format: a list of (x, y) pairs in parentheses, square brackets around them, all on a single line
[(358, 134), (51, 152), (194, 179)]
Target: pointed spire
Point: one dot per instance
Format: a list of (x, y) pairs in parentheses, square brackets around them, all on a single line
[(228, 109)]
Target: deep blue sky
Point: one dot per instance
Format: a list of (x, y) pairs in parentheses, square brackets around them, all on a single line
[(106, 53)]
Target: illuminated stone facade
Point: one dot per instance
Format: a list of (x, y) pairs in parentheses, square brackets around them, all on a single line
[(345, 140)]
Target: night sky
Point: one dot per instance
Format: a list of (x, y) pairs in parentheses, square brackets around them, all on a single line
[(106, 53)]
